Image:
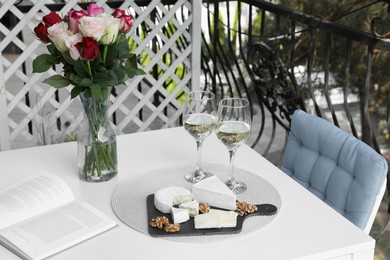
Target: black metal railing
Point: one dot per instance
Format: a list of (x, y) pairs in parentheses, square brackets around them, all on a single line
[(281, 60), (257, 59)]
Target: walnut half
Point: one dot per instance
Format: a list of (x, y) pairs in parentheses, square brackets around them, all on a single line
[(244, 208), (159, 222), (172, 228), (163, 223), (204, 207)]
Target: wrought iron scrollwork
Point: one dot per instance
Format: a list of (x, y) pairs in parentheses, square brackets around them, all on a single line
[(274, 83)]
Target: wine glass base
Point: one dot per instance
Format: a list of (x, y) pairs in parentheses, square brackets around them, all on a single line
[(195, 177), (237, 187)]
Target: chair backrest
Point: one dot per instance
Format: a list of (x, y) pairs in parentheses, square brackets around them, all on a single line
[(339, 169)]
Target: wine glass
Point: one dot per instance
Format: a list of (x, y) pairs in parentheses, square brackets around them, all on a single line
[(233, 128), (199, 121)]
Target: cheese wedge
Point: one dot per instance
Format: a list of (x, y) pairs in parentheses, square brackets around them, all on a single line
[(216, 219), (226, 218), (170, 196), (192, 207), (179, 215), (208, 220), (213, 191)]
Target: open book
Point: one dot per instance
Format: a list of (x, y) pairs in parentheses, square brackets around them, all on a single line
[(39, 217)]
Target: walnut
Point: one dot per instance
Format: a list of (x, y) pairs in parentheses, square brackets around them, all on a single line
[(172, 228), (159, 222), (244, 208), (204, 207)]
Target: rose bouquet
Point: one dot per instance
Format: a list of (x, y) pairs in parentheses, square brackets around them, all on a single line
[(93, 49)]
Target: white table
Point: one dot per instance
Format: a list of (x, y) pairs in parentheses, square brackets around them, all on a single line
[(305, 227)]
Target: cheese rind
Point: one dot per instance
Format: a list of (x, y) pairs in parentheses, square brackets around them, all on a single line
[(213, 191), (179, 215), (170, 196), (192, 207)]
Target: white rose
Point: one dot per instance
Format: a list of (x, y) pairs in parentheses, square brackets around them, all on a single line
[(58, 33), (111, 30), (92, 27)]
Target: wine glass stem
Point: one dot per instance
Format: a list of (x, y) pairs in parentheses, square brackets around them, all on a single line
[(199, 170), (232, 153)]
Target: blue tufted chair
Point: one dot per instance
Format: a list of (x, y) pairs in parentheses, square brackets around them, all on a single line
[(339, 169)]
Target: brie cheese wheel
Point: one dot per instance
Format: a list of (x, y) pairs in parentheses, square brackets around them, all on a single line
[(207, 220), (213, 191), (192, 206), (226, 218), (170, 196), (179, 215)]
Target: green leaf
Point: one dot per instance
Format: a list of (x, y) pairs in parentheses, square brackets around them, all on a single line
[(100, 68), (68, 59), (123, 50), (54, 59), (132, 58), (42, 63), (52, 49), (81, 69), (139, 72), (57, 81), (96, 91), (106, 78), (76, 91), (96, 62), (74, 78), (111, 55), (85, 82), (122, 37), (120, 72)]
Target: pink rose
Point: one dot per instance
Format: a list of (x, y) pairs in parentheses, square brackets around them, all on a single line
[(92, 27), (72, 44), (111, 30), (94, 10), (126, 22), (73, 19), (118, 13), (58, 33)]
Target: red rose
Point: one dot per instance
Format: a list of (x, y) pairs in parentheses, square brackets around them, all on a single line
[(51, 19), (118, 13), (126, 22), (89, 48), (41, 32)]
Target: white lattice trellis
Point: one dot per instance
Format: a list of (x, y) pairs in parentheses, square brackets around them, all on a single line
[(32, 113)]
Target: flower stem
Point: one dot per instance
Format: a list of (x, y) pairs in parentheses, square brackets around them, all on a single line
[(105, 53), (89, 69)]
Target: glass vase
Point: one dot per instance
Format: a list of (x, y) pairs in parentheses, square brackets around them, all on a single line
[(96, 142)]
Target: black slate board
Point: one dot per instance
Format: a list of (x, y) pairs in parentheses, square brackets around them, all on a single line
[(188, 228)]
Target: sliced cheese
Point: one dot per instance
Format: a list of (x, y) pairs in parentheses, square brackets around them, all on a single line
[(213, 191), (170, 196), (208, 220), (226, 218), (179, 215), (192, 207)]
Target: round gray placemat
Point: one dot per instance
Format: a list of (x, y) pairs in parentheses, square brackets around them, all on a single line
[(129, 199)]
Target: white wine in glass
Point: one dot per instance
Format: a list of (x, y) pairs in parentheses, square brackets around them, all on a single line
[(199, 121), (233, 128)]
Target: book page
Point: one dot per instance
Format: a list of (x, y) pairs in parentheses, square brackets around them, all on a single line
[(56, 230), (32, 196)]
